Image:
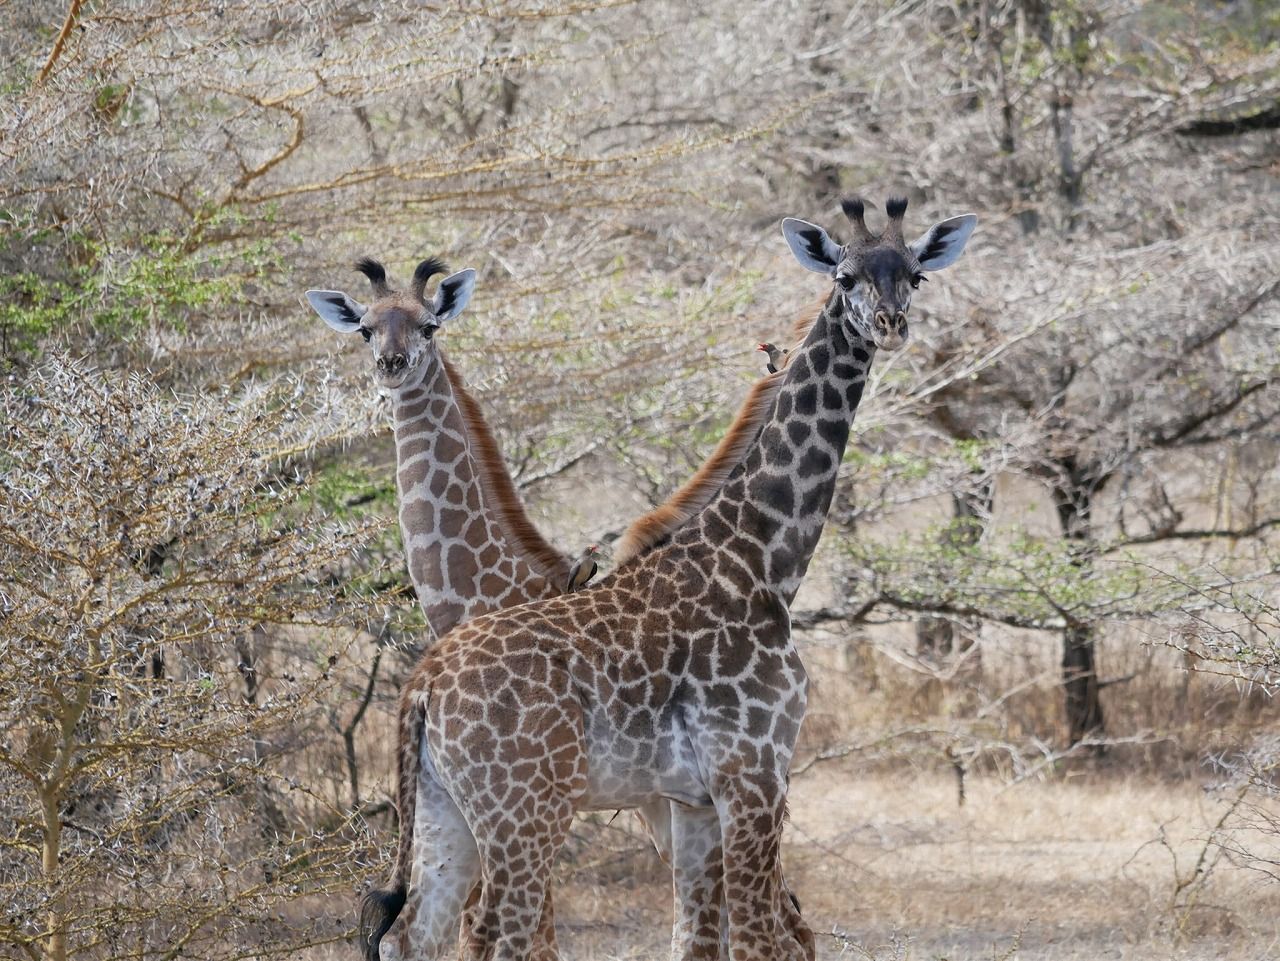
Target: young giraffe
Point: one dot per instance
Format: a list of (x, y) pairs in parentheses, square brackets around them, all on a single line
[(675, 677), (469, 543)]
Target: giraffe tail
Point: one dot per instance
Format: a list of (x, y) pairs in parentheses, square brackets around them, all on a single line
[(378, 911), (380, 908)]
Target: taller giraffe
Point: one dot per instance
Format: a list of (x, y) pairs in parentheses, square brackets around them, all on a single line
[(674, 678), (464, 528)]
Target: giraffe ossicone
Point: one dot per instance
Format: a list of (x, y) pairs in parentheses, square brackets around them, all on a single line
[(674, 679)]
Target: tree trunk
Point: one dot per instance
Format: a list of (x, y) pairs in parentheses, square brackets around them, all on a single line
[(1064, 34), (1080, 684), (1070, 189), (1016, 167), (50, 855), (1073, 499)]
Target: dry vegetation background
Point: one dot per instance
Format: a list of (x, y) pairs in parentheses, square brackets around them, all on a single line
[(1044, 625)]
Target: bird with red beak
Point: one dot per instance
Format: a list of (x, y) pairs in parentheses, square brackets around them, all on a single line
[(777, 357), (584, 569)]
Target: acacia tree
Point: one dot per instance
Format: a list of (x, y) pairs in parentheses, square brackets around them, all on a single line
[(165, 790), (1109, 329), (574, 153)]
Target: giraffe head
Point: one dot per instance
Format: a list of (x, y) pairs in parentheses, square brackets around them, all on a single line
[(875, 274), (399, 326)]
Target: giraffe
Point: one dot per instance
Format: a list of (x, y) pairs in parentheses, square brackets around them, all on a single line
[(674, 677), (469, 543)]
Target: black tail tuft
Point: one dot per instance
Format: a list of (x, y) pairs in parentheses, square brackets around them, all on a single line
[(378, 911)]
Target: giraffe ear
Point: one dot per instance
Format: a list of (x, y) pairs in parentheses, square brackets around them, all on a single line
[(813, 248), (337, 309), (943, 243), (453, 294)]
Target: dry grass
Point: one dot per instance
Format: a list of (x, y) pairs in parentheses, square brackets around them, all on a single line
[(889, 866), (1071, 869), (1091, 859)]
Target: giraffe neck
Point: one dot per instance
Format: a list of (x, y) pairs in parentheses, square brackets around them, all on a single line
[(461, 560), (772, 509)]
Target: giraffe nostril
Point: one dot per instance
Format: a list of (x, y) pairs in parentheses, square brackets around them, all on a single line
[(882, 319), (398, 362)]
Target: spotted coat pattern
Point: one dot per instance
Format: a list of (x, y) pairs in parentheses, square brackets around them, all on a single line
[(674, 678), (462, 563)]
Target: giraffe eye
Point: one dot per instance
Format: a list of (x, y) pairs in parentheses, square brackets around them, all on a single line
[(429, 330), (916, 280), (365, 332), (846, 282)]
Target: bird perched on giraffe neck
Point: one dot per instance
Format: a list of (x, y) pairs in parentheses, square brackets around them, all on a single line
[(584, 568), (777, 357)]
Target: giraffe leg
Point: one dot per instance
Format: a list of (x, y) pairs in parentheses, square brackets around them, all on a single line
[(513, 920), (545, 947), (698, 893), (691, 907), (795, 937), (751, 807), (544, 941), (696, 875), (446, 866)]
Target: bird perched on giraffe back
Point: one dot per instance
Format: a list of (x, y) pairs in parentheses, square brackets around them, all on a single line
[(583, 570), (777, 357)]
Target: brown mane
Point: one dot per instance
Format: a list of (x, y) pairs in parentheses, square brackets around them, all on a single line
[(499, 490), (650, 529)]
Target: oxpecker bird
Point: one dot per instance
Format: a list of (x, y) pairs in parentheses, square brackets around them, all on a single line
[(584, 568), (777, 357)]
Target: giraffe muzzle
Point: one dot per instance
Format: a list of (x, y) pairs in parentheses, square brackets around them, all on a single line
[(393, 371), (889, 331)]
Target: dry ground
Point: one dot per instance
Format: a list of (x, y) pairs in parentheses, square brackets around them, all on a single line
[(888, 866)]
